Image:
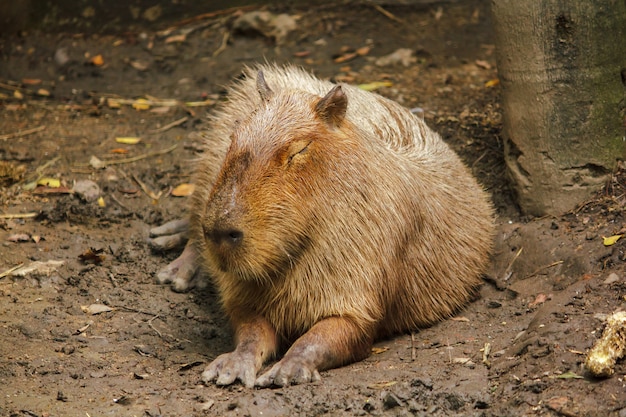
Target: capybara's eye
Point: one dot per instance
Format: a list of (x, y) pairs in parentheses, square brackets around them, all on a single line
[(296, 149)]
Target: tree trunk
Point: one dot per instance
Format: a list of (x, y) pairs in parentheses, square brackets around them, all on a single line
[(562, 68)]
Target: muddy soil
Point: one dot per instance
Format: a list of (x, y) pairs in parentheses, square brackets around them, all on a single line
[(87, 331)]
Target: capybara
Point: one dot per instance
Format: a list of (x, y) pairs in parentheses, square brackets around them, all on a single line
[(328, 217)]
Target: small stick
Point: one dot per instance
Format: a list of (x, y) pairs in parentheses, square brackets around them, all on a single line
[(119, 202), (222, 45), (19, 215), (387, 14), (206, 16), (152, 326), (508, 268), (544, 267), (146, 190), (135, 158), (169, 126), (8, 271), (413, 346), (21, 133)]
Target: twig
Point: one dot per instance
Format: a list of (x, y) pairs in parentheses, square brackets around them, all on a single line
[(134, 158), (205, 16), (21, 133), (113, 280), (223, 45), (544, 267), (169, 126), (486, 353), (387, 14), (15, 88), (413, 346), (119, 202), (135, 310), (146, 190), (41, 168), (8, 271), (152, 326), (19, 215), (507, 271)]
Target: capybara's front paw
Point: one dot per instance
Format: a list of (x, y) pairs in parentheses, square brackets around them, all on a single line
[(289, 371), (229, 367)]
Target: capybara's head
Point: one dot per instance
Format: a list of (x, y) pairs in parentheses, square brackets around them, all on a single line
[(261, 213)]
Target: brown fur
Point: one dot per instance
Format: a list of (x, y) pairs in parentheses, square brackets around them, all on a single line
[(340, 224)]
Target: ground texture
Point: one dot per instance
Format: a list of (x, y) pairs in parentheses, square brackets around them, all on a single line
[(88, 332)]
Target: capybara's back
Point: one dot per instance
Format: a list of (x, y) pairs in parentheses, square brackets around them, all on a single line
[(330, 216)]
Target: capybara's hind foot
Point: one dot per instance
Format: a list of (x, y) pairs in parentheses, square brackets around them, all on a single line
[(170, 235), (182, 272)]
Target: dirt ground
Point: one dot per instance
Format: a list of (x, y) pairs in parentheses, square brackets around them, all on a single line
[(87, 331)]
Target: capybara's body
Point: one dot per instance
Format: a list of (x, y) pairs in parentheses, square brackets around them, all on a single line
[(328, 217)]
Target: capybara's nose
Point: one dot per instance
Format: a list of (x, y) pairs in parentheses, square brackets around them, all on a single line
[(225, 236)]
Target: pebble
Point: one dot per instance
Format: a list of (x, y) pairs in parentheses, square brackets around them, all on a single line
[(613, 277), (87, 190)]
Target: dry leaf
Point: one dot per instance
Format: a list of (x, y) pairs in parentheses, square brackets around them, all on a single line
[(138, 65), (377, 350), (31, 81), (569, 375), (199, 103), (363, 51), (381, 385), (176, 38), (539, 299), (375, 85), (119, 151), (460, 318), (19, 237), (92, 255), (101, 202), (183, 190), (492, 83), (482, 64), (18, 95), (141, 104), (97, 60), (49, 182), (96, 309), (113, 103), (43, 92), (128, 140), (345, 57), (611, 240), (97, 163)]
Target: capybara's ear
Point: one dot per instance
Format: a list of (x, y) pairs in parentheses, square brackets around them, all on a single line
[(264, 90), (332, 107)]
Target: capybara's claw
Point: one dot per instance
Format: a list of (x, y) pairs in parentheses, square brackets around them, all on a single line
[(285, 373), (228, 368)]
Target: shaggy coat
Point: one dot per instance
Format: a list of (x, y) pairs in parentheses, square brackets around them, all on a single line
[(316, 201)]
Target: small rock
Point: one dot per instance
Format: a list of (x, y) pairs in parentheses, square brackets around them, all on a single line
[(87, 190), (61, 57), (267, 24), (613, 277), (98, 374), (402, 56), (153, 13), (391, 400)]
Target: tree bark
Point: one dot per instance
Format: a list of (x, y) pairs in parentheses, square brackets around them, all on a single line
[(562, 68)]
